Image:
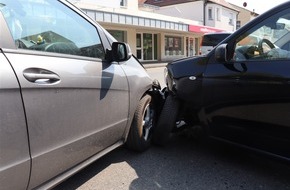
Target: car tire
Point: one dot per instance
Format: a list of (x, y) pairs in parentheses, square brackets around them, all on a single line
[(166, 121), (140, 135)]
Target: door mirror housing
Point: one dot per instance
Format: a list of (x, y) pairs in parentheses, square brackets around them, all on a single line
[(221, 53), (120, 52)]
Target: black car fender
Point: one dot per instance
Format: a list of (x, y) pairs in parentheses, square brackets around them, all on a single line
[(184, 77)]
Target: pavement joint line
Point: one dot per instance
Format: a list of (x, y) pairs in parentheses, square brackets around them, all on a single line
[(153, 65)]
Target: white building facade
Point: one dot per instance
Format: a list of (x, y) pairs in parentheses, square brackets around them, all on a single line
[(213, 13), (153, 37)]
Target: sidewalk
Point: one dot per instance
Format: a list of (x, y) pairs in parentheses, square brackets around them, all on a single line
[(154, 65)]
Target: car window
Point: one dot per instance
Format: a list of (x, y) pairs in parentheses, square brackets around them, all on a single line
[(48, 25), (267, 41), (213, 39)]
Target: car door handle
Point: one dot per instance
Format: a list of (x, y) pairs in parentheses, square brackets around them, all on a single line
[(40, 76)]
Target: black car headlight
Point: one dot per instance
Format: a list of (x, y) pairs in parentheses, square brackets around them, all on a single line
[(169, 81), (165, 75)]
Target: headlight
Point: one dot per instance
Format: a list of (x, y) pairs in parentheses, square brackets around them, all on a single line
[(169, 81), (165, 75)]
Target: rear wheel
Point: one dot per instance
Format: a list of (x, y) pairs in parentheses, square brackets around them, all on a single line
[(166, 121), (140, 135)]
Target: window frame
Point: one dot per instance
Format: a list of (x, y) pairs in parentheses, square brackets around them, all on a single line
[(123, 3), (218, 14), (210, 13), (231, 19)]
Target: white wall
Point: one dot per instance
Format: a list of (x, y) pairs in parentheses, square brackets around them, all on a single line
[(191, 11), (131, 34), (132, 5), (225, 15), (194, 11)]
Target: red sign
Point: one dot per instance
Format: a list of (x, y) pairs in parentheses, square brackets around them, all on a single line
[(203, 29)]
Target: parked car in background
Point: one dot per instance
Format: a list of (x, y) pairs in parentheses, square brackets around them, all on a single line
[(69, 93), (239, 92), (210, 40)]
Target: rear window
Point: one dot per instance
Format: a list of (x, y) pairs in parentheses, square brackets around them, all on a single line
[(213, 39)]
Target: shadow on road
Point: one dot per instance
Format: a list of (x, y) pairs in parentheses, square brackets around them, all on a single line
[(184, 164)]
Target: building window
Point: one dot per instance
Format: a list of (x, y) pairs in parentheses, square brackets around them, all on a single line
[(231, 19), (123, 3), (173, 45), (218, 14), (210, 17), (119, 35), (238, 24)]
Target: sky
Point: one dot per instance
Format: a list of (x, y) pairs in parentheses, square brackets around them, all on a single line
[(260, 6)]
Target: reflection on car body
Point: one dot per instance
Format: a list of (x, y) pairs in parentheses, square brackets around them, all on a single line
[(239, 92), (69, 93), (210, 40)]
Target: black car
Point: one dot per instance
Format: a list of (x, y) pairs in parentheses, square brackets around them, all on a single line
[(240, 91)]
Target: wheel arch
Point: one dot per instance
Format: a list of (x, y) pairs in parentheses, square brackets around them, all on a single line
[(154, 90)]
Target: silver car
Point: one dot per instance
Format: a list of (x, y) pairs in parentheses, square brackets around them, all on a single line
[(69, 93)]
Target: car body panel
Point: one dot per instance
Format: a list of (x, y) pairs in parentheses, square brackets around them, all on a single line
[(241, 100), (71, 108), (138, 80), (210, 40), (69, 119), (192, 66), (187, 74), (249, 107), (14, 156)]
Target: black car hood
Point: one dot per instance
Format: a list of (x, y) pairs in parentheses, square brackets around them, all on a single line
[(187, 66)]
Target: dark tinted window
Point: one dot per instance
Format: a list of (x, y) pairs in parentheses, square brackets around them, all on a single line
[(213, 39)]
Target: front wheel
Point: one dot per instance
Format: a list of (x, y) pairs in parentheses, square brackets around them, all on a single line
[(140, 135), (166, 121)]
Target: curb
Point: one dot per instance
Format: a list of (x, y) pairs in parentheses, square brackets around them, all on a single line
[(153, 65)]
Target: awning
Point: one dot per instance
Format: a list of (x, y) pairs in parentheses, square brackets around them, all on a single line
[(203, 29)]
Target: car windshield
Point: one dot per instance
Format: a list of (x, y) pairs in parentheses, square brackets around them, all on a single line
[(268, 40), (273, 33)]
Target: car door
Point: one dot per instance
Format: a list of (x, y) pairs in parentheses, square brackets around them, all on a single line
[(76, 103), (248, 98), (14, 150)]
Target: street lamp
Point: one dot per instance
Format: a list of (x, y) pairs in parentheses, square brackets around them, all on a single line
[(245, 4)]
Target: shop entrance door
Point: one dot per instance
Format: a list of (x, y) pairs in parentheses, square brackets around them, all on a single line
[(190, 47), (146, 46)]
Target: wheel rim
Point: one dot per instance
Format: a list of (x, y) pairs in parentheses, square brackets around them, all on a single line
[(147, 122)]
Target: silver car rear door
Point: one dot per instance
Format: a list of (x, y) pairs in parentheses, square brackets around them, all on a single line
[(14, 150), (76, 103)]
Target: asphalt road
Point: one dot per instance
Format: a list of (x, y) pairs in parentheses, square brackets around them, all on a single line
[(183, 164), (157, 73)]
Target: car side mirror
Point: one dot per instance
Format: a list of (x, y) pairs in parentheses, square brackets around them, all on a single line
[(120, 52), (221, 53)]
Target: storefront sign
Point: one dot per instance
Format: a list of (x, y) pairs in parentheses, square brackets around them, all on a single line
[(203, 29)]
